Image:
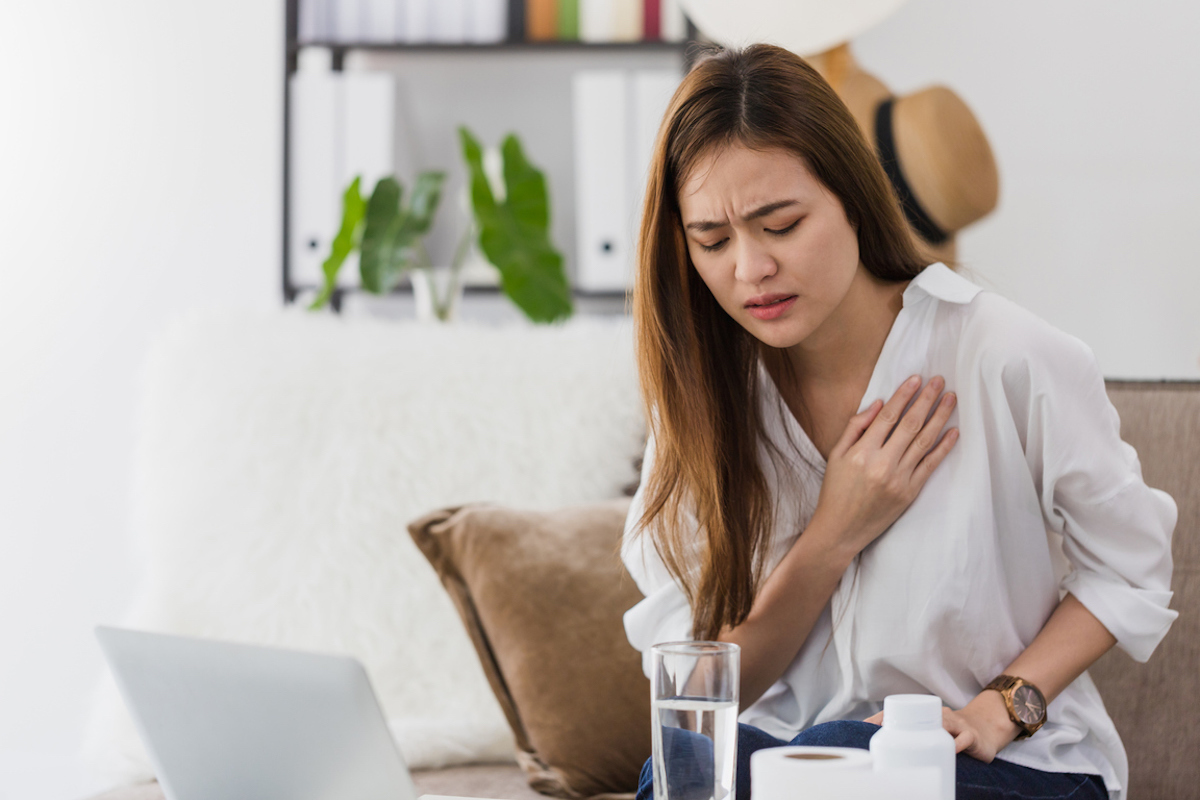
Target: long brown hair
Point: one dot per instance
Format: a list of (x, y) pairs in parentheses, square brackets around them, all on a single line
[(698, 366)]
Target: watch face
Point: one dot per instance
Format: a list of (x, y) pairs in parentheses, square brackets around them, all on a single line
[(1028, 704)]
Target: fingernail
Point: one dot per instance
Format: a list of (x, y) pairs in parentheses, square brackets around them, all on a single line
[(950, 400), (915, 380)]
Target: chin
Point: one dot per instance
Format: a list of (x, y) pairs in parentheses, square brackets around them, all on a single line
[(780, 335)]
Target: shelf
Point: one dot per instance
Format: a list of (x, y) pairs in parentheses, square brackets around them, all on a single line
[(338, 50), (506, 46), (635, 51), (406, 289), (607, 298)]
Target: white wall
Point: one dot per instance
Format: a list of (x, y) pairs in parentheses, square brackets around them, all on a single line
[(139, 178)]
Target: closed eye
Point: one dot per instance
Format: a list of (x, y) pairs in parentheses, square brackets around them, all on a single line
[(781, 232), (784, 231)]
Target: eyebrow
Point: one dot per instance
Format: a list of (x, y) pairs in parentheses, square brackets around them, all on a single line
[(709, 225)]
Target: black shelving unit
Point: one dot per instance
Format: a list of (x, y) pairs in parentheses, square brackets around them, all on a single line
[(293, 45)]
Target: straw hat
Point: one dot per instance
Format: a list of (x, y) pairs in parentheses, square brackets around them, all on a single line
[(805, 27)]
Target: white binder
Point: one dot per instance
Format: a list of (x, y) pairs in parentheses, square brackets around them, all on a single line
[(314, 200), (342, 126), (380, 24), (597, 20), (312, 20), (349, 18), (400, 33), (601, 180), (487, 21), (448, 21), (627, 20), (617, 116), (418, 20)]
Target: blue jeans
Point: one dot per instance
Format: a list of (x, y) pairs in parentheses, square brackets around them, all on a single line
[(999, 780)]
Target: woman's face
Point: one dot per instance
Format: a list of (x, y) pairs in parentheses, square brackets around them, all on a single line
[(770, 240)]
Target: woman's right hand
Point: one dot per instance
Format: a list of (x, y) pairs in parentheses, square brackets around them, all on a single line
[(871, 477)]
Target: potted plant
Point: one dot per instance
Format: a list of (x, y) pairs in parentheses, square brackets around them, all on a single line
[(510, 223)]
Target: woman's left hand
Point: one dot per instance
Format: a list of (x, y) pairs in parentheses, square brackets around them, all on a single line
[(980, 729)]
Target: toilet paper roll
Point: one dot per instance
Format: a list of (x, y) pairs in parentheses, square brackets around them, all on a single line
[(834, 773), (787, 762)]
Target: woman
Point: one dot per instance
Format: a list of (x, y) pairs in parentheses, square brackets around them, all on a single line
[(803, 496)]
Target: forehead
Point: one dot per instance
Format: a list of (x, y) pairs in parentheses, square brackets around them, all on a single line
[(740, 178)]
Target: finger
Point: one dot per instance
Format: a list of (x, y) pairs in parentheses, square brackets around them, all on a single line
[(891, 412), (975, 749), (854, 429), (964, 735), (929, 463), (929, 434), (875, 719), (913, 420)]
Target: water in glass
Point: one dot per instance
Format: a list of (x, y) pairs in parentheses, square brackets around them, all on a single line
[(695, 743)]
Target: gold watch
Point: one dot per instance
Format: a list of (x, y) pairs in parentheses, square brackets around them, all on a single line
[(1025, 702)]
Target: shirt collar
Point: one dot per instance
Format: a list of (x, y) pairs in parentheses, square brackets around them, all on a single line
[(938, 280)]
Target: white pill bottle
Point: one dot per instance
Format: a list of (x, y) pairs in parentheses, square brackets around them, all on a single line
[(913, 736)]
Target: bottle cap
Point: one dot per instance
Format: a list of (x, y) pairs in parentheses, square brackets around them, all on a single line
[(912, 712)]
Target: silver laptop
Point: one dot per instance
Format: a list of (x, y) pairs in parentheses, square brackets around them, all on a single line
[(224, 720)]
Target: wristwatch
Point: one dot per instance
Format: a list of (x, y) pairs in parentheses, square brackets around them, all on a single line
[(1025, 702)]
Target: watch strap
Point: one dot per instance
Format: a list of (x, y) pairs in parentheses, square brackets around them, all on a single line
[(1002, 683), (1005, 684)]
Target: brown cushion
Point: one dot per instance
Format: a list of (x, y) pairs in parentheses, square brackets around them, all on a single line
[(1154, 704), (542, 595)]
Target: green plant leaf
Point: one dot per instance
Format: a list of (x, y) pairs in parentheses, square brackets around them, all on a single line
[(423, 202), (415, 221), (515, 234), (376, 249), (525, 187), (482, 199), (390, 237), (353, 209)]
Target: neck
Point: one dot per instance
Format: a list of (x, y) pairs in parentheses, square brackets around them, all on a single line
[(843, 351)]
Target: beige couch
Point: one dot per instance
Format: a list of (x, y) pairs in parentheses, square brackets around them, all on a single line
[(1153, 704)]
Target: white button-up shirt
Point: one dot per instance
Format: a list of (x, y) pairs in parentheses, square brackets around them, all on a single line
[(1040, 496)]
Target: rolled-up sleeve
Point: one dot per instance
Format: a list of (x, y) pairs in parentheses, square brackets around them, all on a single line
[(1116, 530), (664, 615)]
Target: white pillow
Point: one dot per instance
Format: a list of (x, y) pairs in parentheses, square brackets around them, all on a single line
[(280, 457)]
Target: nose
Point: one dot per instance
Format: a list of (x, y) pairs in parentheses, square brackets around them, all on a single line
[(753, 262)]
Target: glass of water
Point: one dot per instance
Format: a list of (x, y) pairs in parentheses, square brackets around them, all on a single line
[(694, 708)]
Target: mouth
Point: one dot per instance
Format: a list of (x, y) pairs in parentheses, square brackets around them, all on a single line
[(766, 301), (771, 307)]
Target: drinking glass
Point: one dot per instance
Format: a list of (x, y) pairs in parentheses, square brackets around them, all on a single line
[(694, 711)]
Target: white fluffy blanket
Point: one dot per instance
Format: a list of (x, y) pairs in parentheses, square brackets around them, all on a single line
[(281, 456)]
